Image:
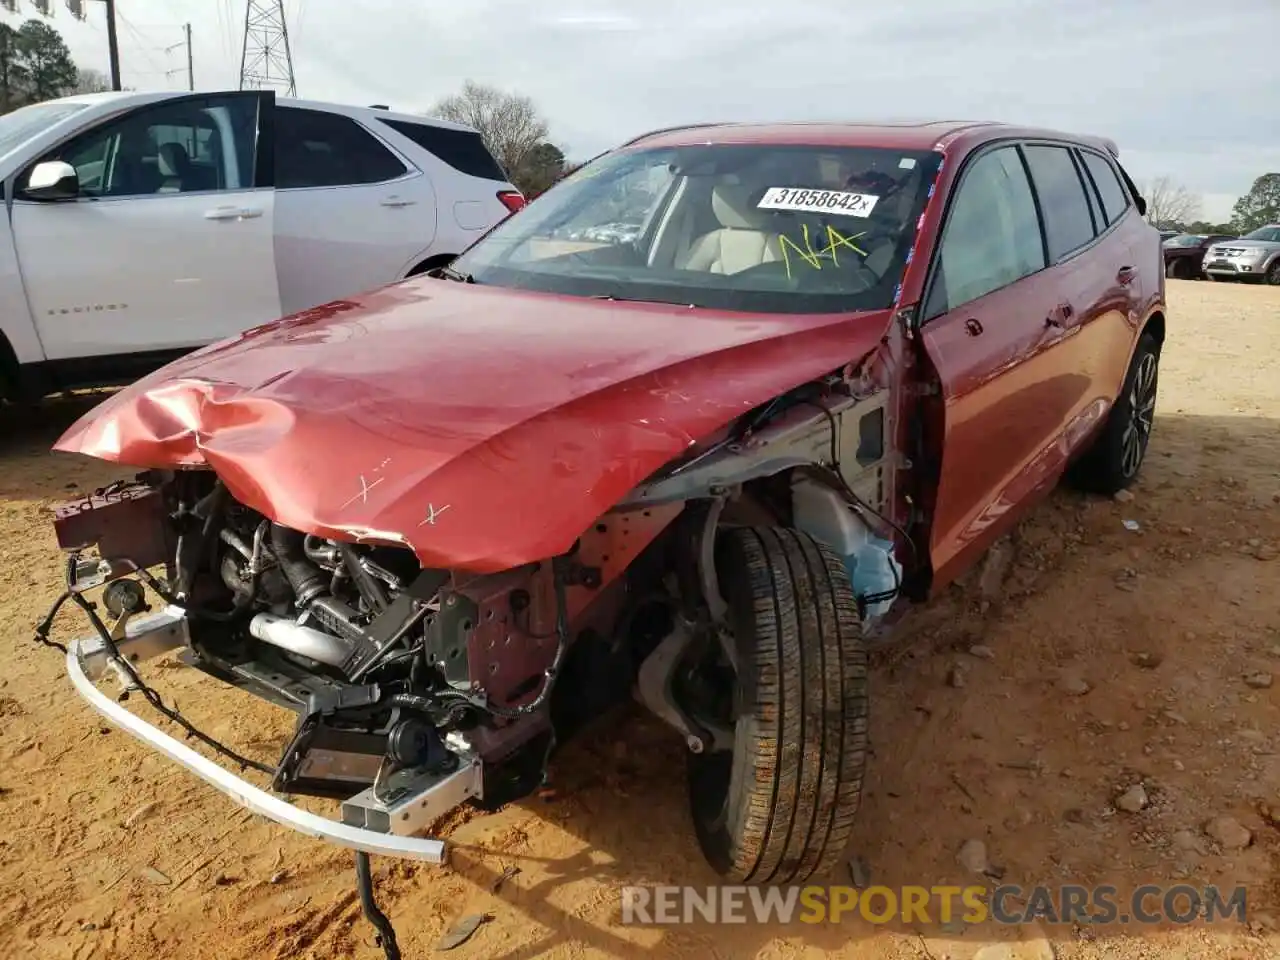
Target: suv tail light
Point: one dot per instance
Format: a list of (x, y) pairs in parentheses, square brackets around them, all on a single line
[(513, 200)]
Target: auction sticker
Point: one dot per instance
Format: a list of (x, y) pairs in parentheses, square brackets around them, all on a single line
[(822, 201)]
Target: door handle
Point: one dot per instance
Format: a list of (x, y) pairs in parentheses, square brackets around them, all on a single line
[(232, 213), (1125, 275), (394, 201)]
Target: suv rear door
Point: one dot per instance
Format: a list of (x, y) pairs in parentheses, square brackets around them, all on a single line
[(350, 210), (169, 245)]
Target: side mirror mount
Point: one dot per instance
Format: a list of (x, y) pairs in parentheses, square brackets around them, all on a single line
[(53, 180)]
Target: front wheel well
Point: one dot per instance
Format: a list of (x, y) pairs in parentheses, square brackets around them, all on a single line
[(431, 263), (1155, 327)]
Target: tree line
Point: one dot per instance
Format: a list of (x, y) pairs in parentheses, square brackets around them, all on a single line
[(35, 65), (1171, 206)]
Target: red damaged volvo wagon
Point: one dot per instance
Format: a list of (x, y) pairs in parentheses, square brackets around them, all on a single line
[(689, 428)]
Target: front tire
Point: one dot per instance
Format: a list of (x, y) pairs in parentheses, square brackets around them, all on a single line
[(1115, 458), (779, 807), (1273, 273)]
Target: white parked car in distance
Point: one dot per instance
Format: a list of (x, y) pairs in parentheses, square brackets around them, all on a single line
[(143, 225)]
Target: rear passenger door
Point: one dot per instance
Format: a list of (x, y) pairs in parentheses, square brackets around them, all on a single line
[(1125, 269), (350, 210)]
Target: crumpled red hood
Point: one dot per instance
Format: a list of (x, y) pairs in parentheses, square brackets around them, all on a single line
[(482, 428)]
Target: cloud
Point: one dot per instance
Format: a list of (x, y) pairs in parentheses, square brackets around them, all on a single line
[(596, 21), (1183, 92)]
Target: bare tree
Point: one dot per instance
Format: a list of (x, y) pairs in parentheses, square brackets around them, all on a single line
[(89, 80), (1170, 203), (509, 123)]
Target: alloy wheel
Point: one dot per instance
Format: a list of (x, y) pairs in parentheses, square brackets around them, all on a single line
[(1142, 408)]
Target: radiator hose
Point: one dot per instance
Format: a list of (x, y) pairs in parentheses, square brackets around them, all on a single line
[(307, 580)]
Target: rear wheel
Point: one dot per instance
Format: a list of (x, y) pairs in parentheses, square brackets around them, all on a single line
[(1178, 269), (1113, 461), (779, 807)]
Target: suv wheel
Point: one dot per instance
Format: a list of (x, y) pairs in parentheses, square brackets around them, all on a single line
[(779, 806), (1178, 269), (1273, 273), (1112, 463)]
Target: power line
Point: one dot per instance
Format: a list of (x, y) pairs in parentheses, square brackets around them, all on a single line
[(141, 41)]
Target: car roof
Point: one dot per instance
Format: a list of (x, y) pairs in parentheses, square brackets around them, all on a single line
[(126, 97), (376, 111), (920, 135)]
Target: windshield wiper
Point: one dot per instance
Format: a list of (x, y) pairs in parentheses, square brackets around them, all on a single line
[(455, 275), (670, 303)]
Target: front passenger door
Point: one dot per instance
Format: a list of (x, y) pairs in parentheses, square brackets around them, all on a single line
[(169, 244), (989, 331)]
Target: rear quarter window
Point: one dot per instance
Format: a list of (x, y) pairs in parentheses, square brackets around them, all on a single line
[(464, 150), (1114, 200)]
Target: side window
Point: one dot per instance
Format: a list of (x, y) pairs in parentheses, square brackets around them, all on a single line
[(464, 150), (992, 236), (1114, 200), (188, 146), (318, 149), (1067, 224)]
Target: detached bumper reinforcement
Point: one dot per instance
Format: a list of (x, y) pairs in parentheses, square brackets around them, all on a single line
[(410, 810)]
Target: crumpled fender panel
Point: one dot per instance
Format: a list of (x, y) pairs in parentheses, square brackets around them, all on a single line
[(479, 427)]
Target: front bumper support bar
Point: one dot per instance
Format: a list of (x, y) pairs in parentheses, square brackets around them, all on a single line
[(409, 811)]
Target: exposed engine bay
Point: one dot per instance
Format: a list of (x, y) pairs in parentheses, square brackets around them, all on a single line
[(418, 689)]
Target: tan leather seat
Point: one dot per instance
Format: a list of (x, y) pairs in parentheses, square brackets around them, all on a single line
[(741, 242)]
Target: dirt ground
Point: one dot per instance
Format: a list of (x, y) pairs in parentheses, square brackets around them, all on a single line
[(1108, 657)]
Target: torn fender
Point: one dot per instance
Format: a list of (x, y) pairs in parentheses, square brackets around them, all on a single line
[(482, 428)]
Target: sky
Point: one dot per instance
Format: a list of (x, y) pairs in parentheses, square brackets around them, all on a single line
[(1186, 93)]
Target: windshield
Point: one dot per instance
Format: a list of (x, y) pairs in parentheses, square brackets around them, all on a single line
[(1186, 240), (756, 228), (1264, 233), (20, 126)]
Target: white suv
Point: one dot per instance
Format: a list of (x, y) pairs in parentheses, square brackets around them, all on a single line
[(143, 225)]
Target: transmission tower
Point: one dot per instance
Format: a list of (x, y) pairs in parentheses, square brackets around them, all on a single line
[(266, 61)]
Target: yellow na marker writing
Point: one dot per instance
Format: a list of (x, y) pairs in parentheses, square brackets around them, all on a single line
[(814, 257)]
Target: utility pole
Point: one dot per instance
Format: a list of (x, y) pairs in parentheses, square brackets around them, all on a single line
[(191, 74), (266, 60), (113, 45)]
